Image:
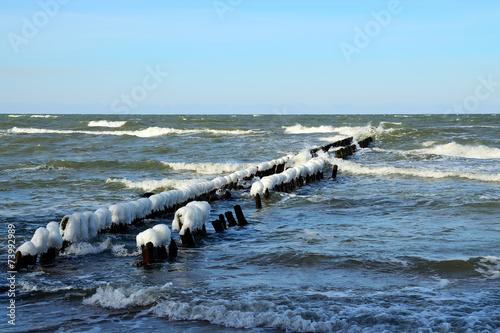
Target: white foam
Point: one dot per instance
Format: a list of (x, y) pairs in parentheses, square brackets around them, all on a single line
[(489, 267), (29, 286), (43, 116), (354, 131), (457, 150), (300, 129), (144, 133), (151, 185), (123, 297), (332, 138), (83, 248), (359, 169), (106, 123), (245, 314), (205, 168), (119, 250)]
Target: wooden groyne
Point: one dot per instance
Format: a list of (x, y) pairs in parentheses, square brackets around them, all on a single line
[(275, 175)]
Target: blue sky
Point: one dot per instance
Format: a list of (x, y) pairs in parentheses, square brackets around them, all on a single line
[(249, 56)]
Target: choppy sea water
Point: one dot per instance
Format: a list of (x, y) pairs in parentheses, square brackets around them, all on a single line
[(405, 239)]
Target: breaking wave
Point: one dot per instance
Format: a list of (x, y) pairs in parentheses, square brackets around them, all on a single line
[(105, 123), (206, 168), (359, 169), (457, 150), (120, 298), (151, 185), (354, 131), (145, 133)]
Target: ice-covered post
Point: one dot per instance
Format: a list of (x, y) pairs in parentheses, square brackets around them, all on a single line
[(25, 256), (153, 243)]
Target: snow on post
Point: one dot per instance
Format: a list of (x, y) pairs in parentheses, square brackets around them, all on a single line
[(25, 256), (153, 243), (190, 220)]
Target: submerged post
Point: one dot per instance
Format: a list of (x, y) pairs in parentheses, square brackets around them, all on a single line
[(334, 171), (239, 215), (258, 202), (230, 219)]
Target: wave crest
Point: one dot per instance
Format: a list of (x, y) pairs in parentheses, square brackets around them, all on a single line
[(354, 131), (206, 168), (106, 123), (151, 185), (454, 149), (120, 298), (359, 169), (144, 133)]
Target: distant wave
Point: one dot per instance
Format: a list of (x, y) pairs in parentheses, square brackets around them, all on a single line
[(151, 185), (145, 133), (105, 123), (359, 169), (458, 150), (332, 138), (299, 129), (354, 131), (206, 168), (43, 116)]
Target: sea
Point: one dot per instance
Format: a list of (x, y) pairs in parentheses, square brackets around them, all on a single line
[(406, 238)]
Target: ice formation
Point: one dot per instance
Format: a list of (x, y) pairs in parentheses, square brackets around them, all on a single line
[(159, 235), (311, 167)]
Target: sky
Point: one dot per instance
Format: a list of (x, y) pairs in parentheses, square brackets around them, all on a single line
[(249, 56)]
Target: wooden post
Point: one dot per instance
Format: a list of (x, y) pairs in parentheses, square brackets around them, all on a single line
[(258, 203), (21, 261), (239, 215), (218, 227), (161, 252), (49, 256), (334, 171), (230, 219), (188, 239), (223, 220), (172, 249), (149, 254)]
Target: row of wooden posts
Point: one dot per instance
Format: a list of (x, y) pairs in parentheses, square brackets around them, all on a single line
[(348, 150), (151, 254)]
